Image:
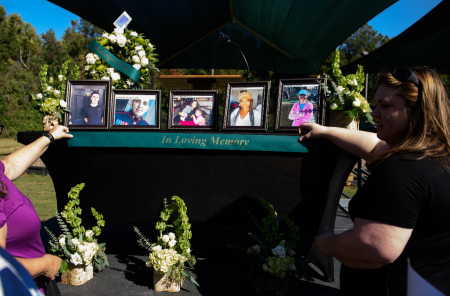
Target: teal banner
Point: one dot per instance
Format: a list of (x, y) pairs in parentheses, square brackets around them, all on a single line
[(242, 142), (115, 62)]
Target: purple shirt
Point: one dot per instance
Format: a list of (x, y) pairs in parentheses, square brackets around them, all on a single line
[(23, 238)]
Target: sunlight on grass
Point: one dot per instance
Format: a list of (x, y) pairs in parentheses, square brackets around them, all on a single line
[(8, 146), (41, 192)]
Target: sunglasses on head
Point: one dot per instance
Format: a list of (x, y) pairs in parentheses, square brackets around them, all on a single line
[(404, 74)]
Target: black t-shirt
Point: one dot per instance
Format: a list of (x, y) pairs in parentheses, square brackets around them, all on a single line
[(412, 194), (93, 114)]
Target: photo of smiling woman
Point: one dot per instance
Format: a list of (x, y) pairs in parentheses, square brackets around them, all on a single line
[(135, 110), (244, 114)]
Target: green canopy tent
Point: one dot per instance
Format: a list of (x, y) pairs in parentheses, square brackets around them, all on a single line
[(290, 36), (426, 43)]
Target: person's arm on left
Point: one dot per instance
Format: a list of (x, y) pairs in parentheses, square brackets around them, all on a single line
[(17, 162), (369, 245)]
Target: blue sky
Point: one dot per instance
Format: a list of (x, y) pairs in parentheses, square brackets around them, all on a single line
[(44, 15)]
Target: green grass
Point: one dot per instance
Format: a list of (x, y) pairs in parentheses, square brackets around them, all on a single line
[(8, 146), (350, 190), (40, 190)]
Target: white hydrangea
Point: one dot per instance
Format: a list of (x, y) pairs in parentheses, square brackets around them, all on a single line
[(62, 103), (112, 38), (115, 76), (163, 259), (60, 77), (156, 248), (136, 59), (75, 259), (90, 233), (90, 59), (172, 243), (141, 54), (121, 40), (132, 33), (75, 241), (39, 96), (144, 62), (137, 66), (165, 238)]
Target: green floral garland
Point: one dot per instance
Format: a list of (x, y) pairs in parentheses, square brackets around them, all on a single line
[(131, 48)]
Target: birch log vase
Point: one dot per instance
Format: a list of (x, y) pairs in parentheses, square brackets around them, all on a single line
[(77, 274), (50, 121), (339, 119), (162, 283)]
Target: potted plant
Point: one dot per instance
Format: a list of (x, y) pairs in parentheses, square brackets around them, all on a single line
[(78, 247), (170, 257)]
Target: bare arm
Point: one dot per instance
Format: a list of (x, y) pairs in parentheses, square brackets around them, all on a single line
[(16, 163), (47, 265), (369, 245), (362, 144), (3, 233)]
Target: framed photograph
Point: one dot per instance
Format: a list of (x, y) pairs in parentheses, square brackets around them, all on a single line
[(88, 101), (123, 20), (299, 101), (193, 109), (246, 106), (136, 109)]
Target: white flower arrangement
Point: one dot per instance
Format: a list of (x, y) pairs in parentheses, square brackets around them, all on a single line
[(51, 98), (172, 250), (131, 48), (347, 92), (79, 246)]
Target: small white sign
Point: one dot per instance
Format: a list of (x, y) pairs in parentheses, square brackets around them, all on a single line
[(123, 20)]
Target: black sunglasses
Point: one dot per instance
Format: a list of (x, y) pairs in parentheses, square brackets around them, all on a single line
[(404, 74)]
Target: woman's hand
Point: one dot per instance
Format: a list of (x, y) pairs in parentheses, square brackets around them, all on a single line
[(311, 130), (53, 264), (60, 131), (321, 242)]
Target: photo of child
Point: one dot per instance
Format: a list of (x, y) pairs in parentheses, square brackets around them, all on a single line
[(198, 118)]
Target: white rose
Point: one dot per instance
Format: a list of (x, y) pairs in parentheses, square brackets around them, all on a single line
[(121, 40), (49, 88), (97, 58), (75, 241), (86, 68), (265, 267), (93, 72), (141, 54), (279, 251), (171, 235), (90, 233), (139, 47), (137, 66), (136, 59), (340, 88), (118, 31), (144, 62), (165, 238), (292, 268), (115, 76), (333, 106), (104, 78), (62, 241), (172, 243), (157, 248), (110, 71), (112, 38), (60, 77), (90, 59), (56, 92), (75, 259), (356, 102), (62, 103), (105, 35), (133, 34), (257, 248), (290, 252), (39, 96)]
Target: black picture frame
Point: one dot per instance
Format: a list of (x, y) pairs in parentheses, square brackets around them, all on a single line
[(179, 99), (287, 104), (78, 98), (124, 116), (260, 91)]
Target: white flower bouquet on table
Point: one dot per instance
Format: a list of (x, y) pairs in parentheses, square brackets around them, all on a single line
[(171, 252), (131, 48), (346, 95), (273, 261), (78, 248)]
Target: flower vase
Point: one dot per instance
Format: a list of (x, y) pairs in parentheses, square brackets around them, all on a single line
[(77, 274), (49, 121), (162, 283), (339, 119)]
